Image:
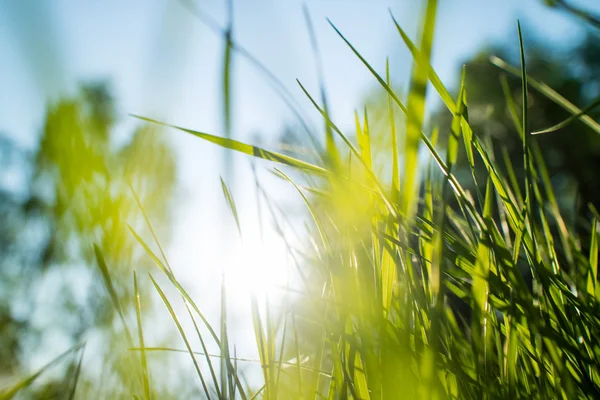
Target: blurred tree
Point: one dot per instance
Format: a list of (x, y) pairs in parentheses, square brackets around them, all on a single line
[(54, 205)]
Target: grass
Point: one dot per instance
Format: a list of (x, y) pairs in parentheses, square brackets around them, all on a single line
[(404, 295)]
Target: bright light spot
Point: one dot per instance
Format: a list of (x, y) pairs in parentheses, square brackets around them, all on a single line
[(258, 267)]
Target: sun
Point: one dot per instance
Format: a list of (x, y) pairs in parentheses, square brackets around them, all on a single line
[(258, 266)]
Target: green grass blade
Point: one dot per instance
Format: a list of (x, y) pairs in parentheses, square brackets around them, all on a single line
[(395, 159), (24, 383), (332, 154), (569, 120), (262, 346), (226, 76), (483, 264), (111, 289), (182, 334), (432, 75), (371, 69), (391, 208), (246, 148), (205, 352), (315, 217), (363, 138), (138, 311), (548, 92), (416, 112), (231, 205), (152, 231), (455, 129), (593, 287), (77, 374)]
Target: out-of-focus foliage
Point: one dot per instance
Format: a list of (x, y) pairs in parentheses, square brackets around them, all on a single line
[(72, 193)]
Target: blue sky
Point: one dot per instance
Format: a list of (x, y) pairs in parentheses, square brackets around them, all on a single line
[(163, 63)]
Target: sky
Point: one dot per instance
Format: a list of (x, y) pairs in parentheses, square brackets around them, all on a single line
[(164, 63)]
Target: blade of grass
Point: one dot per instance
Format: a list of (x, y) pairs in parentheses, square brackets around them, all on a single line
[(571, 119), (246, 148), (548, 92), (204, 353), (593, 288), (26, 382), (182, 333), (77, 374), (416, 112), (226, 76), (395, 159), (353, 149), (231, 205), (331, 151), (189, 300), (138, 311), (111, 289)]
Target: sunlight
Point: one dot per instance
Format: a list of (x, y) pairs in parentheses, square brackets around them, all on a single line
[(258, 266)]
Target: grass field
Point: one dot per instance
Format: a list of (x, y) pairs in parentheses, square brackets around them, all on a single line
[(411, 286)]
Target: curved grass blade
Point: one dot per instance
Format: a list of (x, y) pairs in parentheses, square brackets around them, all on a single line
[(569, 120), (245, 148), (314, 215), (548, 92), (231, 205)]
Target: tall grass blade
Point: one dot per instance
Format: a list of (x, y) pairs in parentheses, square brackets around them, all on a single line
[(182, 333), (331, 151), (227, 66), (138, 311), (111, 289), (205, 353)]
